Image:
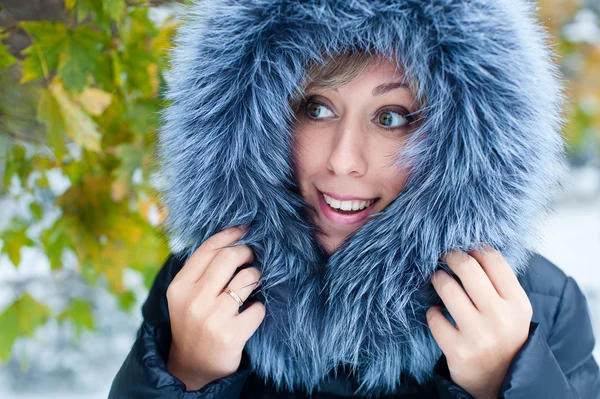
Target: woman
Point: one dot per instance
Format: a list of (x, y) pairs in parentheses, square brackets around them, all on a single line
[(442, 119)]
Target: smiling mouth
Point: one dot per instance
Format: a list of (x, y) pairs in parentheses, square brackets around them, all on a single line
[(348, 207)]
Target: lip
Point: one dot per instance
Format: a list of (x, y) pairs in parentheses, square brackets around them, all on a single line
[(337, 218)]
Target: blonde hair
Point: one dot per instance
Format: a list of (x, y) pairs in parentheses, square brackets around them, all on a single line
[(337, 70)]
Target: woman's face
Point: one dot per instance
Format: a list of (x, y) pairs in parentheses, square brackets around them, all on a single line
[(344, 147)]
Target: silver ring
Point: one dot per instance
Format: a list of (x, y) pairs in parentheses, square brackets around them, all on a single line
[(234, 296)]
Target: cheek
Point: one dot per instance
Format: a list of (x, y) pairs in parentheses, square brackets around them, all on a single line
[(398, 181), (391, 183), (392, 178)]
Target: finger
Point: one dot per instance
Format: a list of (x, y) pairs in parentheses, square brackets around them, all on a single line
[(444, 333), (454, 297), (224, 265), (499, 272), (250, 319), (474, 279), (242, 284), (195, 266)]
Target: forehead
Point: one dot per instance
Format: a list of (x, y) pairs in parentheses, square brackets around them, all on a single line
[(380, 73)]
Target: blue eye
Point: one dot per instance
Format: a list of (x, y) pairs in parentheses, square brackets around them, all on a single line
[(392, 119), (316, 110)]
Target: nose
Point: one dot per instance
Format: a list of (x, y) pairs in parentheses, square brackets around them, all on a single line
[(348, 150)]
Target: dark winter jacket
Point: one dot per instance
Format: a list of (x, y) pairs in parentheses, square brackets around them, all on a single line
[(484, 166), (555, 362)]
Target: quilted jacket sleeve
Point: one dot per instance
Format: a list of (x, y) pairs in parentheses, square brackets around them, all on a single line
[(558, 367), (144, 373)]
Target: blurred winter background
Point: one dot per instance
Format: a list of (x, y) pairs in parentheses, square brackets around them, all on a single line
[(80, 87)]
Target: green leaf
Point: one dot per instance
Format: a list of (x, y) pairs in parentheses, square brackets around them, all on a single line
[(64, 234), (143, 115), (6, 58), (16, 164), (144, 255), (83, 8), (49, 112), (117, 68), (114, 8), (14, 238), (18, 120), (126, 300), (141, 26), (90, 204), (73, 52), (74, 67), (75, 171), (42, 182), (116, 125), (36, 210), (20, 319), (43, 54), (80, 312), (79, 59), (104, 76), (137, 58), (42, 163)]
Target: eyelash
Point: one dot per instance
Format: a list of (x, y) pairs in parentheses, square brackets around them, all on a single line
[(408, 116)]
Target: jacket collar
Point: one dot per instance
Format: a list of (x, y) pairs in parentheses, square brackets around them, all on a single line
[(483, 166)]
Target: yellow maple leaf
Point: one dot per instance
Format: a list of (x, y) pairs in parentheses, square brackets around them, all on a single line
[(79, 126), (94, 100)]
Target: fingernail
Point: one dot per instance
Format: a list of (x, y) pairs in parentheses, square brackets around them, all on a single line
[(244, 227)]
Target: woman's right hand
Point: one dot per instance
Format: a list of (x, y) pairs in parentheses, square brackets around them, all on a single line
[(208, 332)]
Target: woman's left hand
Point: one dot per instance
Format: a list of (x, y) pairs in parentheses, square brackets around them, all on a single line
[(490, 330)]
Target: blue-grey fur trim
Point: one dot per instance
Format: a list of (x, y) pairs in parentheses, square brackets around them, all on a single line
[(484, 167)]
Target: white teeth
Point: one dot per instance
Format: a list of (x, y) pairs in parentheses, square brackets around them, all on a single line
[(347, 205)]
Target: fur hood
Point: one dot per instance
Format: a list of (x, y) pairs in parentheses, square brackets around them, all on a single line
[(485, 165)]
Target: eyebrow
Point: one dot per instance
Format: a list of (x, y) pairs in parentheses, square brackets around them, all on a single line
[(379, 90), (384, 88)]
